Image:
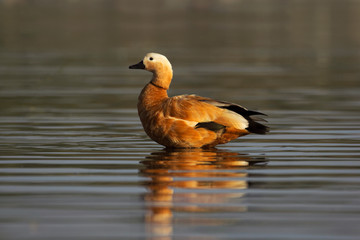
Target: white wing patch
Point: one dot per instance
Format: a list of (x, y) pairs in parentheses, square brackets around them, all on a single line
[(189, 123), (236, 120)]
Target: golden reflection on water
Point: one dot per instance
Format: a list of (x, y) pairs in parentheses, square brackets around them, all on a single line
[(180, 181)]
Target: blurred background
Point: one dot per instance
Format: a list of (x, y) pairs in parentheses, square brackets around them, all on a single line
[(79, 46), (75, 162)]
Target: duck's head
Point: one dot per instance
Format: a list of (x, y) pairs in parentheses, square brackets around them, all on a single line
[(159, 65)]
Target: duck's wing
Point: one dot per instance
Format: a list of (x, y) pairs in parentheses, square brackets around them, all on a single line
[(190, 108), (209, 113)]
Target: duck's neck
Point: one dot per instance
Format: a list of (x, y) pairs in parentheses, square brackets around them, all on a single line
[(155, 92), (155, 85), (152, 95), (162, 77)]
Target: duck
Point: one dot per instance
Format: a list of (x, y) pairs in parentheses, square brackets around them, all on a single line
[(189, 121)]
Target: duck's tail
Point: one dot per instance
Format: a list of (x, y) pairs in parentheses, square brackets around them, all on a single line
[(255, 127)]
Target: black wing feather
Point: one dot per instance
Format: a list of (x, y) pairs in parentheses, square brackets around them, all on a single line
[(212, 126)]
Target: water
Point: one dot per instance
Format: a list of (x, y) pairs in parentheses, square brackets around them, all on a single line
[(75, 162)]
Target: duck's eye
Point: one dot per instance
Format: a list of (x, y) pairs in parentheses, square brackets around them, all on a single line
[(151, 59)]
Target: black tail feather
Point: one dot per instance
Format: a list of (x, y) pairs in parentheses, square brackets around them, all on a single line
[(258, 128)]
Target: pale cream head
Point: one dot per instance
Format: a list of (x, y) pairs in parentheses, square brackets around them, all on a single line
[(160, 66), (156, 62)]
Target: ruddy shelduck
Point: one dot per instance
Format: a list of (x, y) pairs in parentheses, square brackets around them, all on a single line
[(188, 121)]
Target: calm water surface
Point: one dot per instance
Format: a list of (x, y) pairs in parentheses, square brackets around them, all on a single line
[(76, 164)]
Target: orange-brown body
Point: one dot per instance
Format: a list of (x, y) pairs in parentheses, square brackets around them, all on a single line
[(187, 121)]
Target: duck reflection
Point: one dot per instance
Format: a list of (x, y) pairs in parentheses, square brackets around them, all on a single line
[(195, 180)]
